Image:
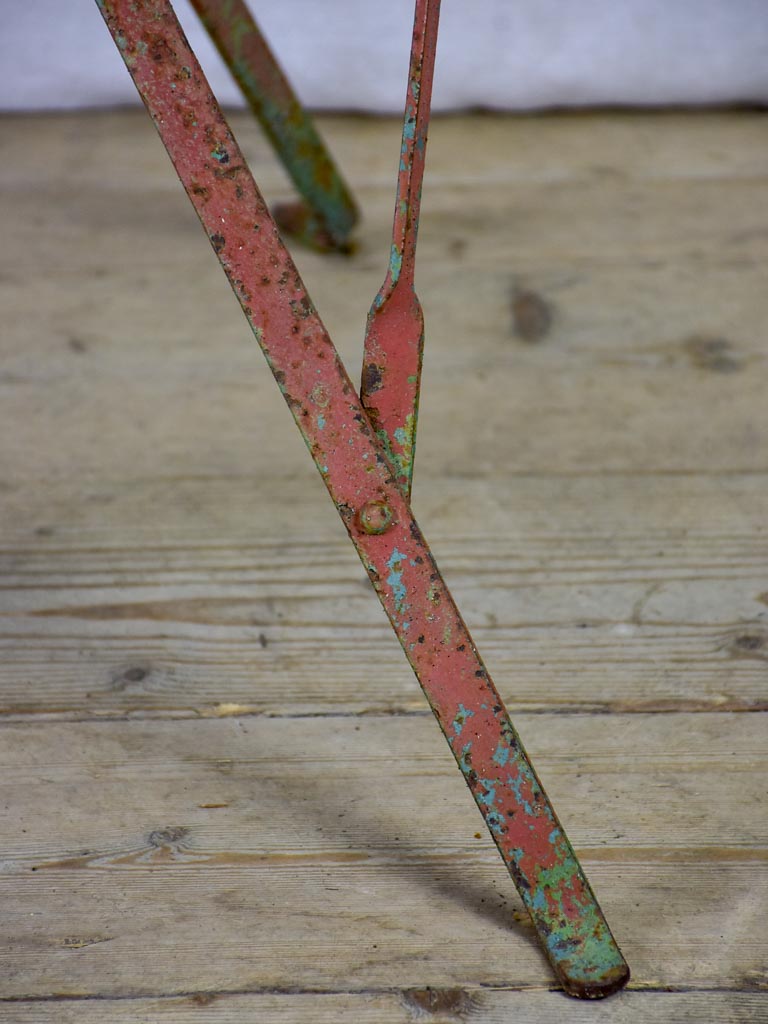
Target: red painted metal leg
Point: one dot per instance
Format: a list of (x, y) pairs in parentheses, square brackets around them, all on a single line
[(364, 488)]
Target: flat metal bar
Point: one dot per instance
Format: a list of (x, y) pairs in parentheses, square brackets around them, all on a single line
[(394, 337), (325, 219), (375, 511)]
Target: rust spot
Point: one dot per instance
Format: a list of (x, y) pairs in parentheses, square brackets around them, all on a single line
[(447, 1002), (711, 353), (160, 50), (302, 308), (218, 242), (531, 315), (417, 535), (373, 378), (228, 172)]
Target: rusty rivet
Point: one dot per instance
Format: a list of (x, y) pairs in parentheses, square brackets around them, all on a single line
[(376, 517)]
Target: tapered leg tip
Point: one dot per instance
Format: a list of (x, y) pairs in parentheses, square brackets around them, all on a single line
[(610, 981)]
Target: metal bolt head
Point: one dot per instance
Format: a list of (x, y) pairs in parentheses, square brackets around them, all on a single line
[(376, 517)]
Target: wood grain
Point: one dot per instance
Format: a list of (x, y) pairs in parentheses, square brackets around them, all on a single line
[(240, 853), (495, 1006), (224, 796), (187, 612)]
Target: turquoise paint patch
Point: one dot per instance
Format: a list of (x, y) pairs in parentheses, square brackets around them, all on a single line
[(400, 436), (501, 755), (496, 822), (395, 263), (321, 422), (539, 900), (395, 580), (516, 785), (487, 798), (462, 715)]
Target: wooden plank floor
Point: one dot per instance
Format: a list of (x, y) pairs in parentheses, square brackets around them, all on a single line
[(223, 796)]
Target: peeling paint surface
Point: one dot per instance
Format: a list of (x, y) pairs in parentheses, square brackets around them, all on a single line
[(359, 474), (394, 337), (326, 217)]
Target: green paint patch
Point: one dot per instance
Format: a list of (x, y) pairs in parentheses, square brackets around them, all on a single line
[(404, 436)]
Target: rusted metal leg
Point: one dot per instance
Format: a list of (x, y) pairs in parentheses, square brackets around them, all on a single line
[(394, 337), (363, 485), (326, 217)]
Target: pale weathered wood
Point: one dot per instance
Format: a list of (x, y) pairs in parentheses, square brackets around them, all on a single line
[(636, 268), (614, 571), (343, 853), (478, 1006), (171, 572), (204, 603)]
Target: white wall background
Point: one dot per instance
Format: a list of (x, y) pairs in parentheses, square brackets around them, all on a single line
[(353, 54)]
